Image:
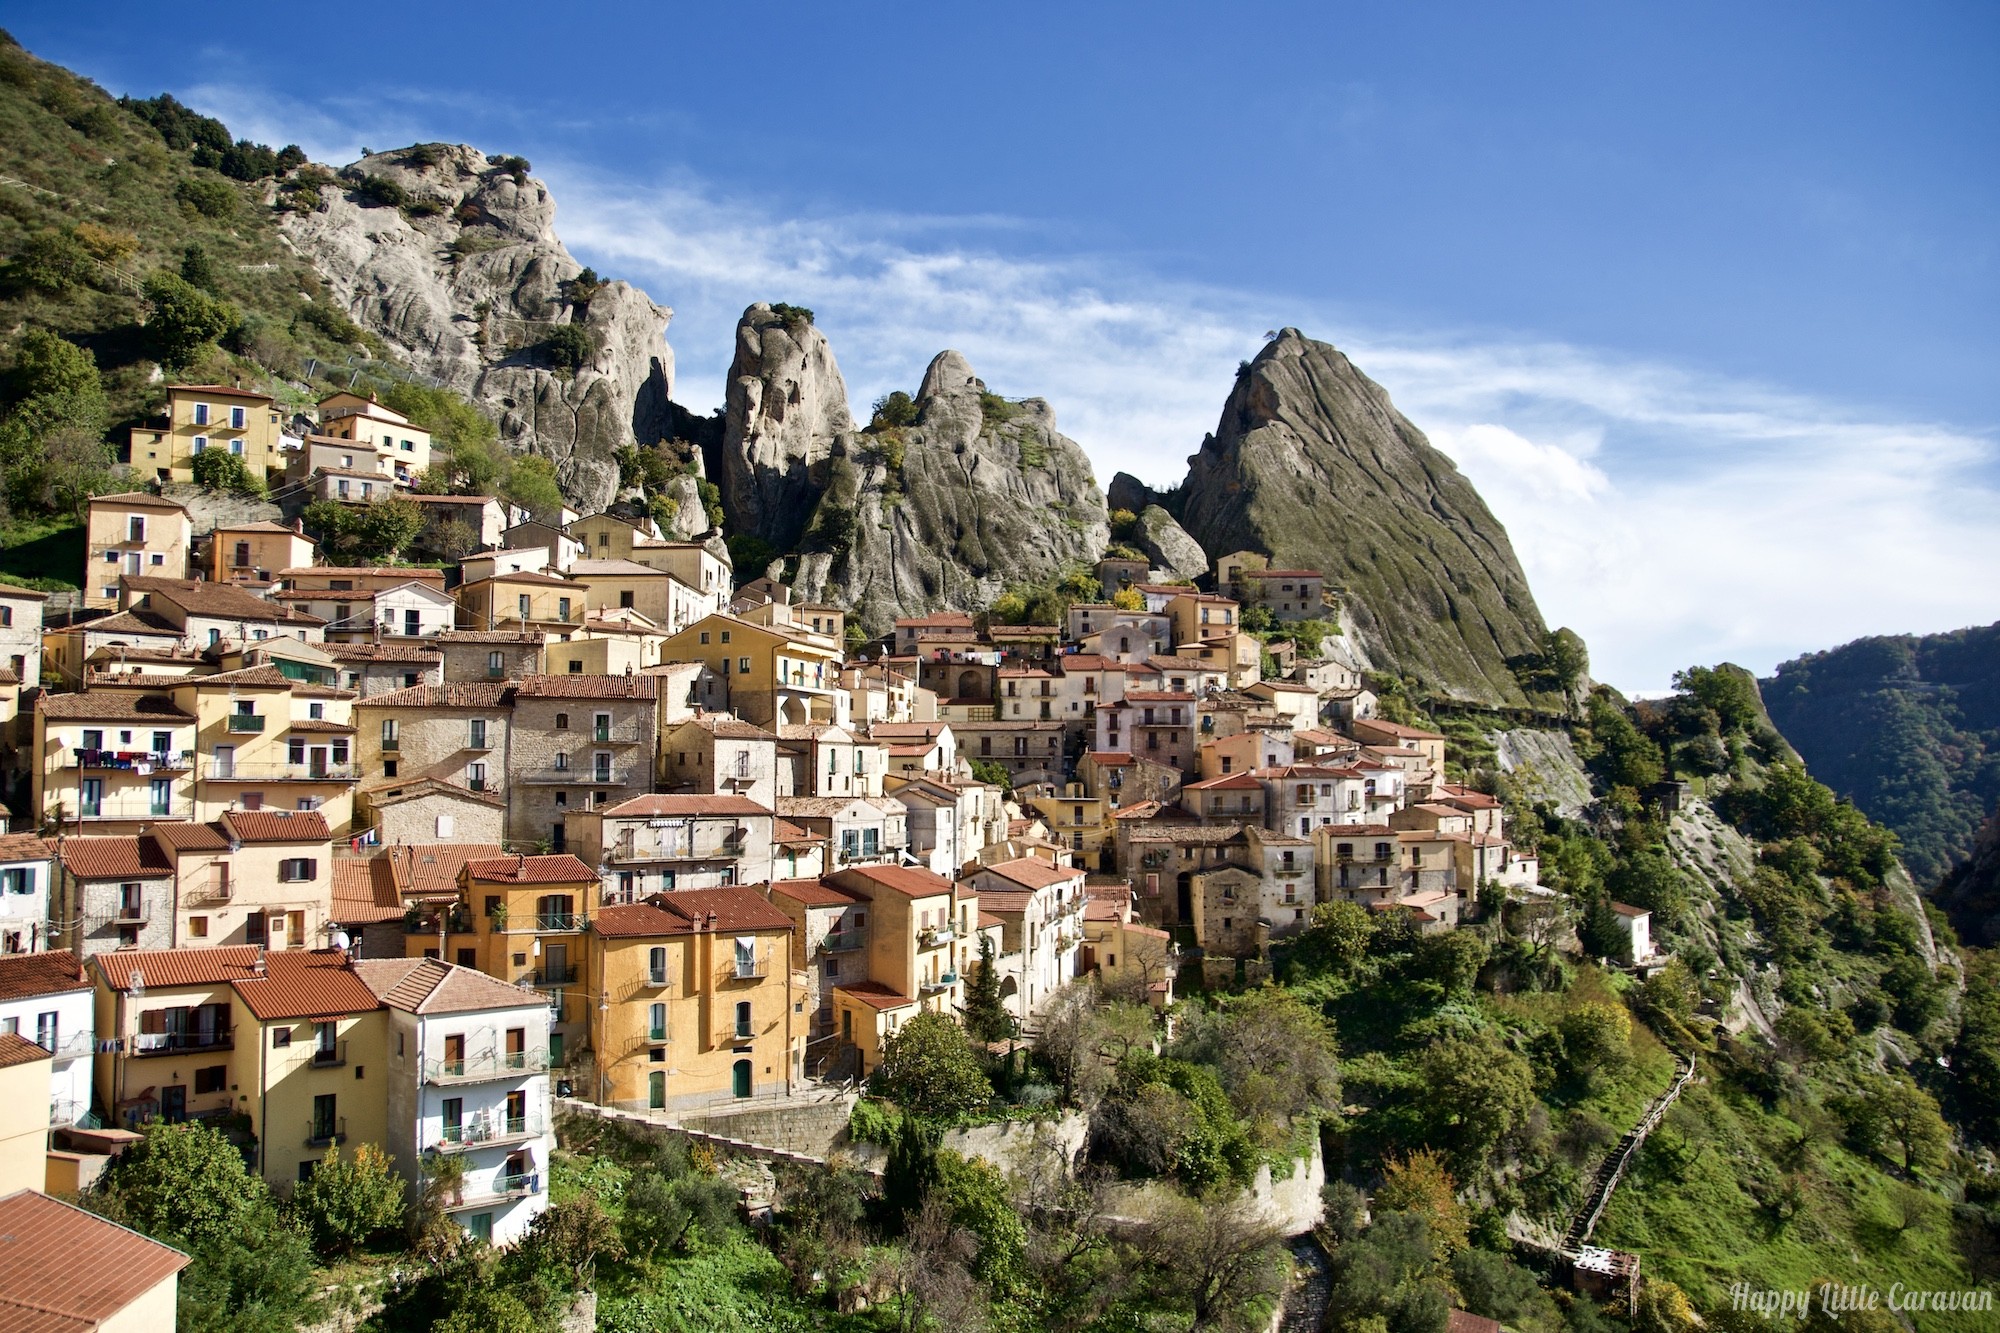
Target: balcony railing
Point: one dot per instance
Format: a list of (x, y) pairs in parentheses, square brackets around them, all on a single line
[(559, 921), (651, 978), (326, 1133), (129, 760), (246, 722), (179, 1043), (491, 1065), (330, 1057), (840, 941), (656, 1036), (932, 937), (392, 744), (556, 976), (486, 1131), (583, 777), (136, 805), (68, 1048), (748, 969), (459, 922), (138, 913), (237, 771)]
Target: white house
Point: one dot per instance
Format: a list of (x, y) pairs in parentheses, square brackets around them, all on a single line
[(468, 1084), (47, 998), (1040, 908), (26, 865), (1637, 923)]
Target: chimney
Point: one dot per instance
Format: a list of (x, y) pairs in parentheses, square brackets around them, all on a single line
[(258, 966)]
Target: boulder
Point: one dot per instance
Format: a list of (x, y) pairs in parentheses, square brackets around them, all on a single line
[(1167, 544)]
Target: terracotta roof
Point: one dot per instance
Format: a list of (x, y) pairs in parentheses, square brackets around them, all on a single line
[(64, 1270), (136, 500), (451, 694), (523, 576), (16, 1049), (1626, 909), (813, 893), (430, 869), (581, 568), (223, 389), (111, 706), (1158, 697), (559, 869), (1180, 833), (52, 973), (394, 791), (300, 983), (937, 619), (179, 967), (926, 731), (320, 724), (489, 636), (734, 908), (909, 882), (25, 847), (277, 825), (371, 571), (427, 986), (1463, 1321), (588, 687), (876, 995), (1396, 729), (244, 677), (17, 591), (1033, 873), (225, 600), (726, 727), (384, 652), (481, 500), (364, 891), (669, 806), (1229, 782), (190, 837), (630, 920), (114, 858), (818, 807)]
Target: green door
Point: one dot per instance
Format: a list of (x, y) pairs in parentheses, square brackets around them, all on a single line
[(742, 1080), (656, 1091)]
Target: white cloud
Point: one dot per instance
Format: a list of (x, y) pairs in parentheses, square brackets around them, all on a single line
[(1669, 515)]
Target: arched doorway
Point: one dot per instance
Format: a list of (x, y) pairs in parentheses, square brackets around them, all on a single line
[(740, 1081), (968, 685)]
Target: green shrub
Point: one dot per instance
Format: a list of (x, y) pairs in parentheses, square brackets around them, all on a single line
[(210, 198), (795, 317), (995, 410), (53, 260), (892, 410), (184, 319), (347, 1200), (569, 347), (376, 191), (221, 470)]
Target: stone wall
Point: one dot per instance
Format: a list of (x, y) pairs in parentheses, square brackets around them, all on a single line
[(1292, 1204)]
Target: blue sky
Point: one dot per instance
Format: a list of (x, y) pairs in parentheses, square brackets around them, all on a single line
[(1701, 297)]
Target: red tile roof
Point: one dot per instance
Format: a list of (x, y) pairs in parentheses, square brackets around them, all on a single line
[(137, 500), (588, 687), (190, 837), (909, 882), (633, 920), (64, 1270), (298, 983), (430, 869), (875, 994), (427, 986), (559, 869), (683, 806), (364, 891), (452, 694), (812, 893), (1231, 782), (178, 967), (1033, 873), (736, 908), (114, 858), (277, 825), (25, 847), (16, 1049), (27, 974), (111, 706)]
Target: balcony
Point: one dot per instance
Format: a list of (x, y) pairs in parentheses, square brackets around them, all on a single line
[(559, 921), (749, 969), (654, 980), (392, 744), (656, 1036), (136, 806), (555, 976), (74, 1046), (842, 941), (504, 1188), (931, 937), (330, 1057), (123, 761), (246, 722), (180, 1043), (487, 1132), (458, 922), (583, 777), (485, 1068), (134, 914), (938, 983), (235, 771), (326, 1133)]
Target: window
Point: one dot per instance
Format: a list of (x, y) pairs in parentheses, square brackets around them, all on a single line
[(476, 733), (215, 1078), (198, 927), (135, 528), (236, 418), (201, 414), (656, 965), (524, 607), (496, 665), (562, 608), (742, 666), (298, 869), (324, 1124), (562, 724), (743, 1020), (656, 1022)]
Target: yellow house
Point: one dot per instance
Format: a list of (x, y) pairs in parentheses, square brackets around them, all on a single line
[(770, 675), (402, 449), (272, 737), (257, 552), (697, 1000), (920, 938), (521, 919), (109, 760), (209, 416), (1081, 821), (252, 877), (311, 1067), (168, 1016), (132, 534), (24, 1113), (522, 601)]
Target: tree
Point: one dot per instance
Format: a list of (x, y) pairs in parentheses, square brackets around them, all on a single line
[(1387, 1278), (569, 1238), (184, 1180), (569, 347), (1626, 756), (531, 484), (993, 772), (1452, 959), (345, 1201), (1274, 1054), (1893, 1117), (660, 1214), (220, 470), (1066, 1042), (1129, 599), (197, 268), (1595, 1035), (1420, 1183), (929, 1070), (75, 465), (386, 527), (930, 1276), (51, 260), (986, 1016), (454, 539), (892, 410), (184, 319), (1218, 1257), (1729, 691), (976, 1193), (1476, 1092), (820, 1209)]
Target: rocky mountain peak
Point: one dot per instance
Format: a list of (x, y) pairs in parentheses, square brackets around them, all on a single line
[(1312, 465), (786, 404)]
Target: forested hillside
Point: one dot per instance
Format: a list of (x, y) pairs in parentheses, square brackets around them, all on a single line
[(1906, 727)]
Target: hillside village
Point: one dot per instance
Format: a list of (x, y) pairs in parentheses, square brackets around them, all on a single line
[(581, 818)]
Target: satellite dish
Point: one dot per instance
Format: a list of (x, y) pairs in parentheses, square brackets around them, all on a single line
[(340, 940)]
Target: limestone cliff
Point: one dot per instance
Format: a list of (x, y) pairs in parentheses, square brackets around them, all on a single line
[(1312, 465), (785, 405), (466, 280), (978, 493)]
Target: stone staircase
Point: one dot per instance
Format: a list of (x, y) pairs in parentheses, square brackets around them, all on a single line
[(1612, 1169)]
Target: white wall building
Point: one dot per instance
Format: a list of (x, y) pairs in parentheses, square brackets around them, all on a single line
[(46, 998), (27, 864), (468, 1083)]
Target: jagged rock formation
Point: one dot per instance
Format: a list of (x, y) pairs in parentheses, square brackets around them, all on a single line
[(467, 279), (979, 493), (1127, 492), (1167, 544), (786, 404), (1312, 465)]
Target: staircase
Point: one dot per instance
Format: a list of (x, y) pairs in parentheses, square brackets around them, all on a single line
[(1612, 1169)]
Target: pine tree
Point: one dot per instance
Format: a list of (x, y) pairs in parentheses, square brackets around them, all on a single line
[(985, 1016)]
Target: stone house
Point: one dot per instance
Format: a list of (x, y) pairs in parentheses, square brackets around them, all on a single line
[(664, 844), (577, 742)]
